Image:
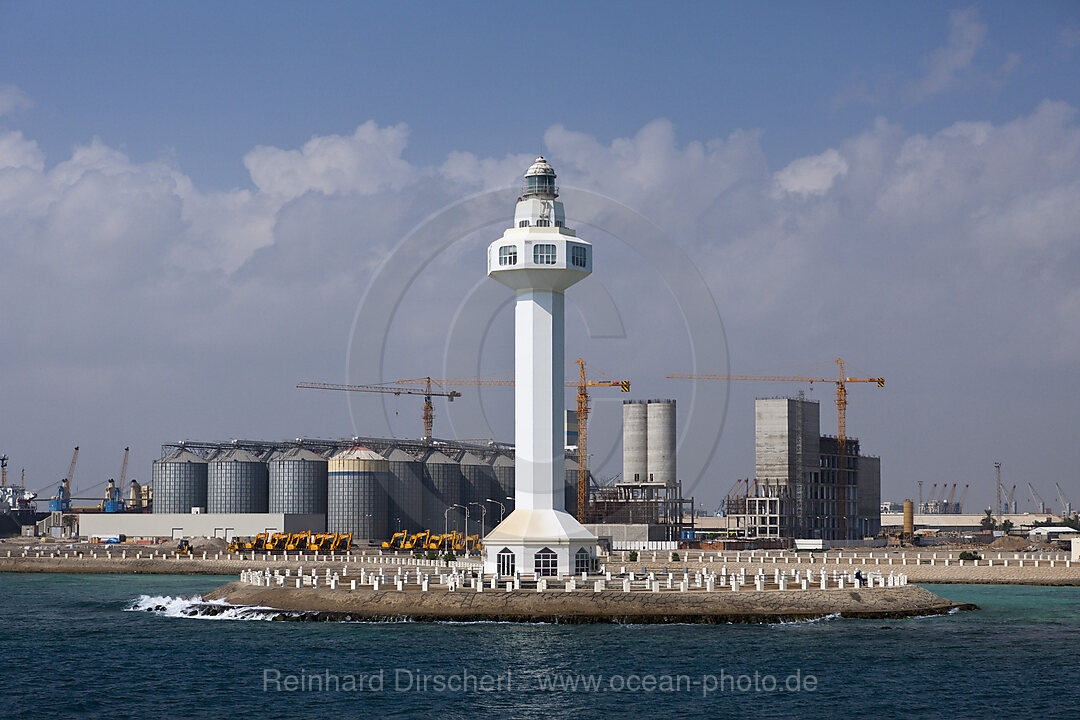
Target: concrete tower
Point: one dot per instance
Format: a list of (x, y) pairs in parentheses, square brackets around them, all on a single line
[(539, 258)]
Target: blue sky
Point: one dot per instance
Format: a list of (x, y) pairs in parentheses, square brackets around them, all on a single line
[(207, 81), (194, 198)]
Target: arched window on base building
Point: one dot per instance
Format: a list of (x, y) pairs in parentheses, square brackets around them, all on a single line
[(546, 563), (582, 561), (506, 562)]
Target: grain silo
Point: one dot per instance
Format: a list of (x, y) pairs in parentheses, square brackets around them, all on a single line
[(405, 492), (179, 482), (356, 494), (504, 477), (445, 483), (661, 442), (297, 482), (480, 483), (635, 441), (237, 482)]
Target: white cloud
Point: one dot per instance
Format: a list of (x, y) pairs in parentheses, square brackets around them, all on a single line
[(18, 152), (651, 173), (485, 173), (811, 175), (952, 245), (365, 162), (13, 99), (946, 66)]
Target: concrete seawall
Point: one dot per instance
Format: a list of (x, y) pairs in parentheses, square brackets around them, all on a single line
[(557, 606)]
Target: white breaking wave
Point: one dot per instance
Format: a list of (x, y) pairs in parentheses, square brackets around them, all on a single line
[(809, 621), (197, 607)]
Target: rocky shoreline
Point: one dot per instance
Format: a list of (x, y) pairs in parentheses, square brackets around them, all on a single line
[(556, 606)]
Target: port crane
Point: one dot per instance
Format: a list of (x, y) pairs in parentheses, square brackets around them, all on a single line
[(952, 494), (1035, 498), (1066, 506), (123, 467), (114, 497), (62, 501), (841, 381), (427, 392), (963, 499), (3, 470), (583, 403)]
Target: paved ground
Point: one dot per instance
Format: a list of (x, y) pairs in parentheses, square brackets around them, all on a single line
[(921, 566)]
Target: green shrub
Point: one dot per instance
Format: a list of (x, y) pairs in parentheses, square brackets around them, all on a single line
[(674, 557), (432, 555), (967, 555), (633, 556)]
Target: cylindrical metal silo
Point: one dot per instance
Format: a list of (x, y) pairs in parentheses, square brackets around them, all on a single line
[(635, 441), (237, 482), (504, 478), (405, 492), (356, 494), (179, 482), (909, 518), (503, 465), (661, 441), (445, 483), (297, 482), (480, 484)]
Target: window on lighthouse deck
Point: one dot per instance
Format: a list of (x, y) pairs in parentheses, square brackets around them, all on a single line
[(544, 254), (508, 255)]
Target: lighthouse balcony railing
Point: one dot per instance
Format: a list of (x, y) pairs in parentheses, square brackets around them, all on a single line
[(540, 189)]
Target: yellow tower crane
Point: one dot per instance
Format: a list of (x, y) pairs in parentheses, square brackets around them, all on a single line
[(583, 384), (841, 382), (427, 392)]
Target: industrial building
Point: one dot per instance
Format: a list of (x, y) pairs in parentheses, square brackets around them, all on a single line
[(645, 508), (804, 485), (371, 487)]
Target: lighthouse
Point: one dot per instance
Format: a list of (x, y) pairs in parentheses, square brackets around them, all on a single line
[(539, 258)]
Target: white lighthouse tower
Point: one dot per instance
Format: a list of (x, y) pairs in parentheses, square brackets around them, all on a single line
[(539, 257)]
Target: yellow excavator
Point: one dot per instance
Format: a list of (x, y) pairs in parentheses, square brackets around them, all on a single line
[(396, 541), (418, 541), (457, 543), (441, 542), (297, 541), (258, 543), (277, 542), (342, 542)]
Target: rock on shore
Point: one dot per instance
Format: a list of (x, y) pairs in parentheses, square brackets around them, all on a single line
[(586, 606)]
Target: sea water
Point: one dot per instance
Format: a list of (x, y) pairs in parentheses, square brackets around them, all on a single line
[(127, 646)]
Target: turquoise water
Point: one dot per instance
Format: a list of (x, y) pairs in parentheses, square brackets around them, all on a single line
[(70, 648)]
